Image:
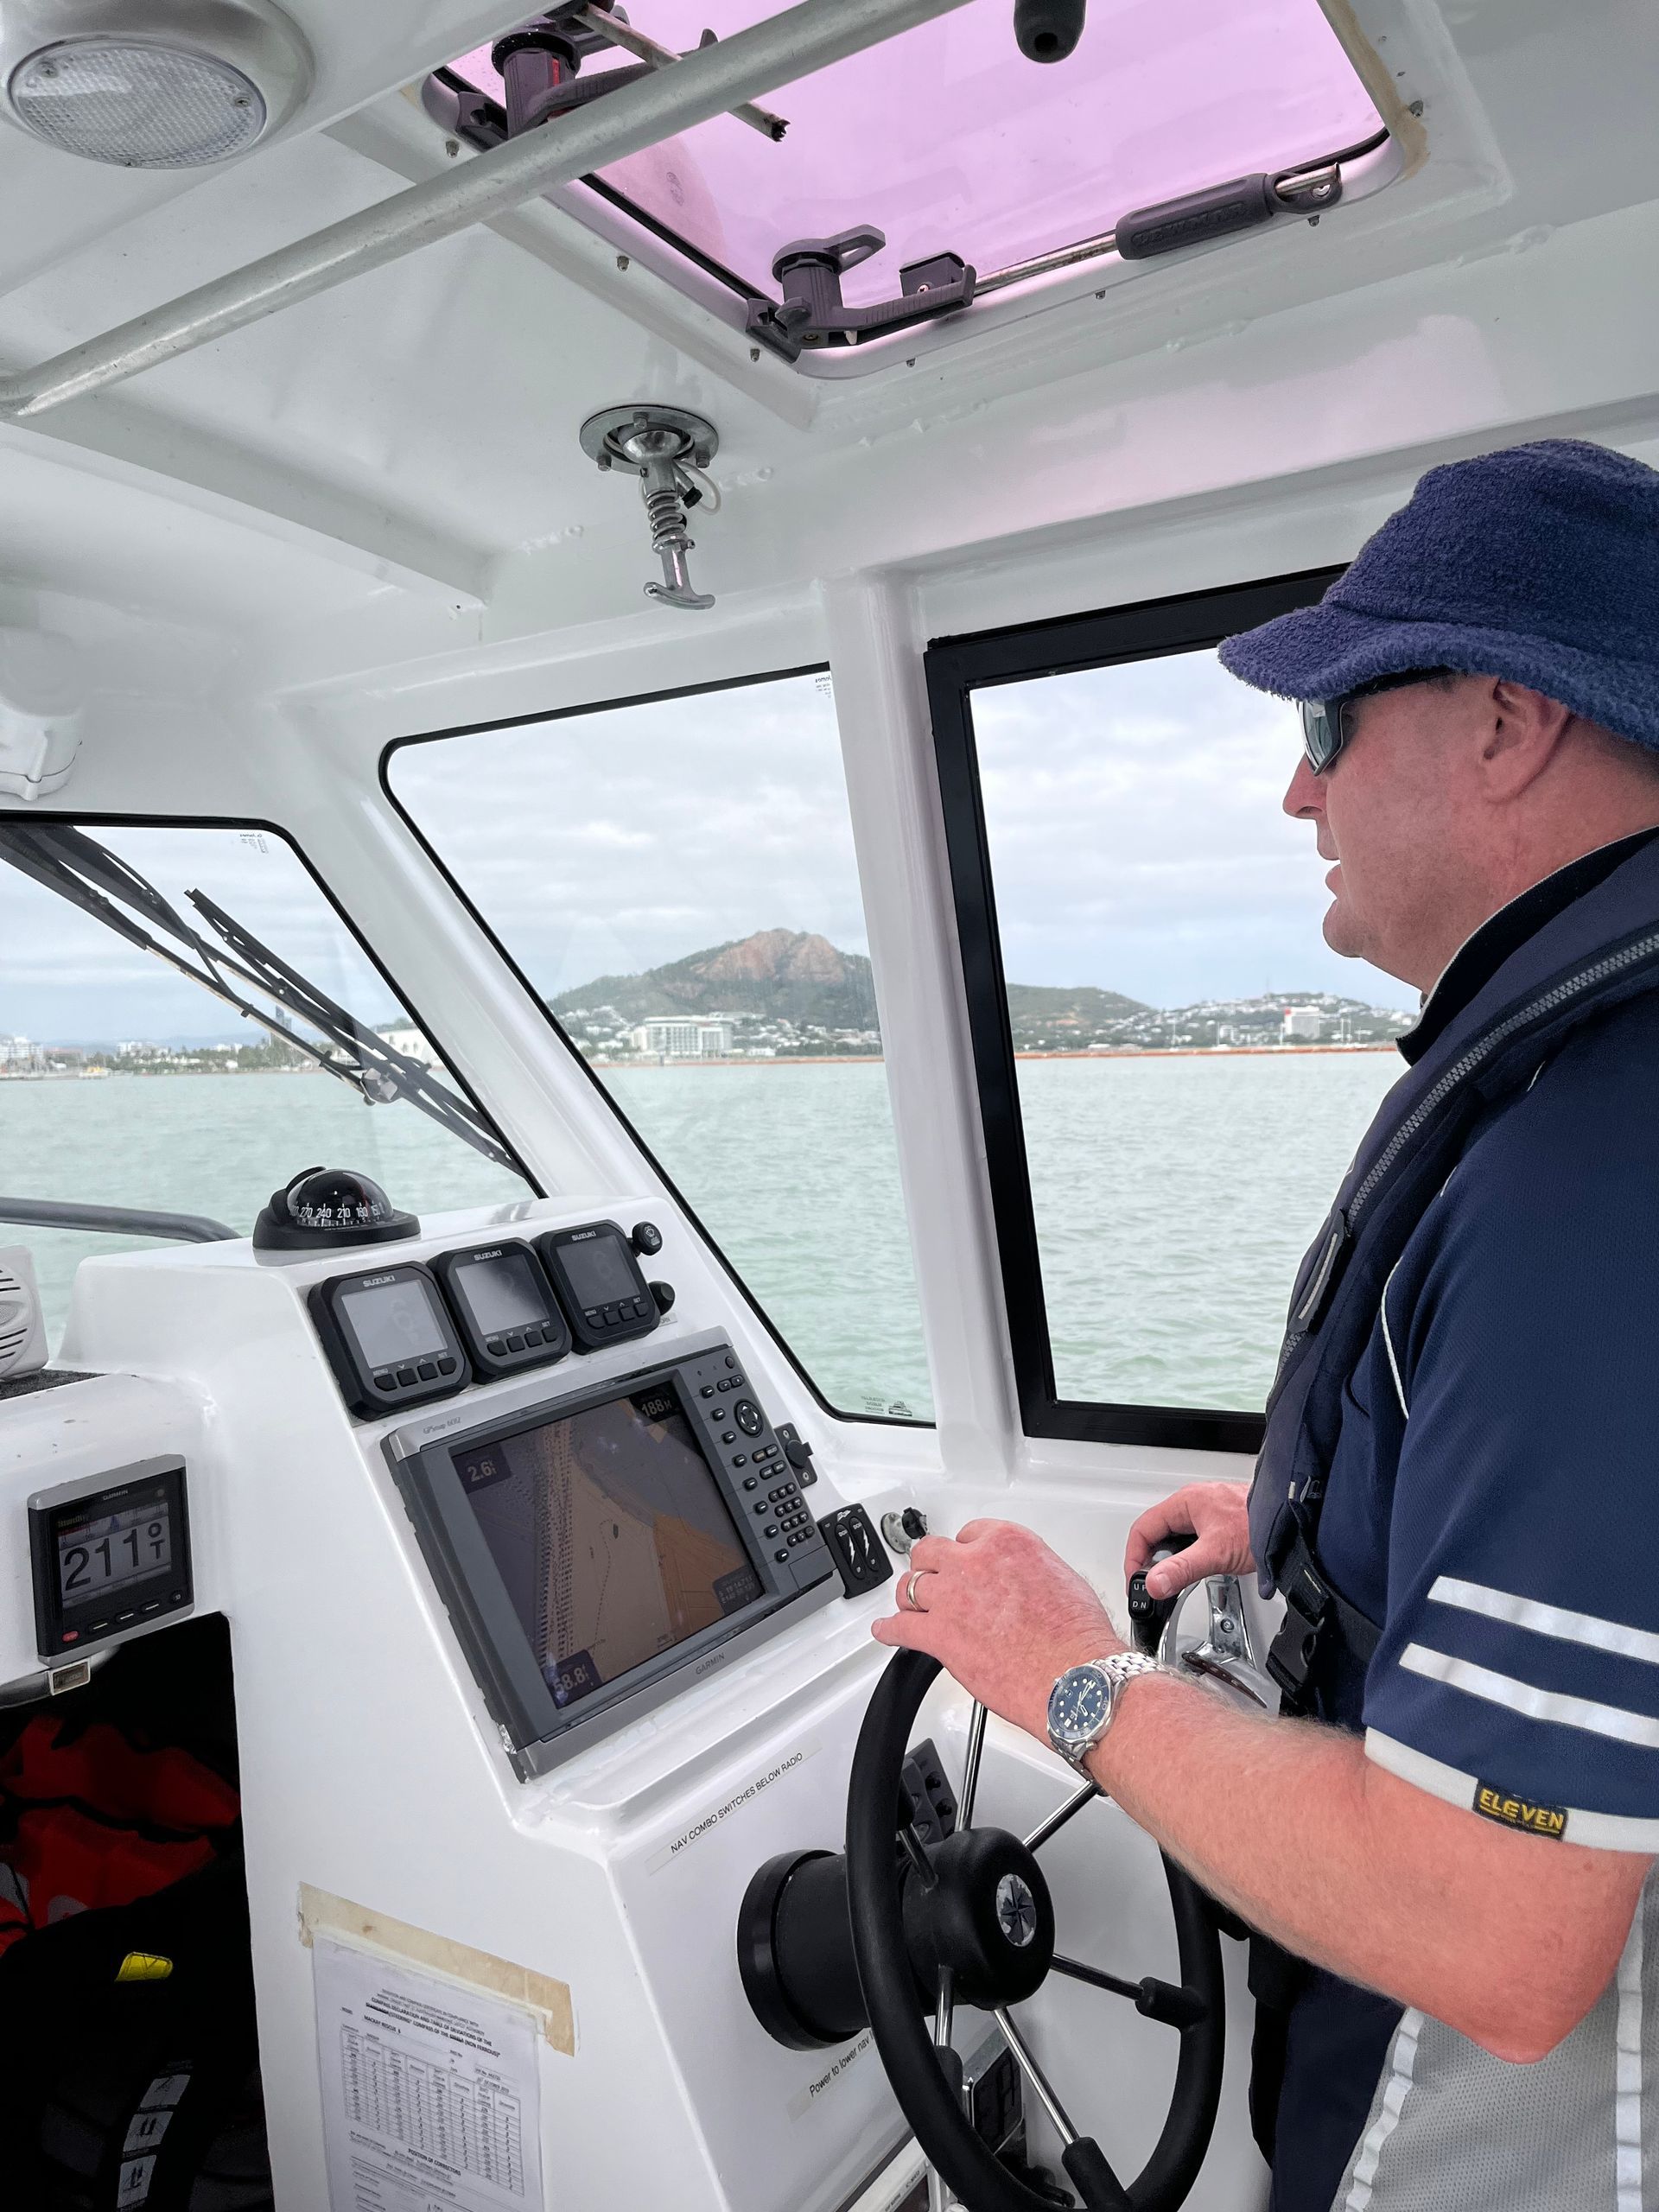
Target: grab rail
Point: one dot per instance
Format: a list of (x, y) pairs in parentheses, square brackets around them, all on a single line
[(116, 1221)]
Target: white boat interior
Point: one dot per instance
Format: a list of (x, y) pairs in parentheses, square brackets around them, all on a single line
[(343, 664)]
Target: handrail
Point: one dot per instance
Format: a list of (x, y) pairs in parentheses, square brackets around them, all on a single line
[(116, 1221), (705, 83)]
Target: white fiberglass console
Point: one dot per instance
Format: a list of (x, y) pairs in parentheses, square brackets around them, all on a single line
[(549, 1643), (526, 1687)]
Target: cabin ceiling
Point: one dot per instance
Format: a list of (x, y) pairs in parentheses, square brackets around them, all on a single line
[(400, 453)]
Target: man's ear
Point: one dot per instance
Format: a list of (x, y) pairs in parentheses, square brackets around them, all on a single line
[(1523, 729)]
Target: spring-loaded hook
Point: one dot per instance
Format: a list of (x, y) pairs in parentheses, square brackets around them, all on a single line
[(668, 449)]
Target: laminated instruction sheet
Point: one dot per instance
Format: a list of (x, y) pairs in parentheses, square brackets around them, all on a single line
[(431, 2094)]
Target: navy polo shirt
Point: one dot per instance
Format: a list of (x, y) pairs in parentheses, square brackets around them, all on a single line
[(1493, 1502)]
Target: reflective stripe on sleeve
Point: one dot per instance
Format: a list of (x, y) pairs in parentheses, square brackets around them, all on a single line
[(1552, 1706), (1596, 1831), (1546, 1620)]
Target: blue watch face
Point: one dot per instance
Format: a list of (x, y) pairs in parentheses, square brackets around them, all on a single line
[(1079, 1703)]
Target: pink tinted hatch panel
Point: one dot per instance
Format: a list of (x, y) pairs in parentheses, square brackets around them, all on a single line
[(949, 140)]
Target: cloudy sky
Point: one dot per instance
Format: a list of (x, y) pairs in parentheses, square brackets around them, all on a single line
[(1134, 816), (1138, 840)]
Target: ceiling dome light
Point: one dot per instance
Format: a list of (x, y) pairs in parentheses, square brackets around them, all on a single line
[(163, 84), (147, 107)]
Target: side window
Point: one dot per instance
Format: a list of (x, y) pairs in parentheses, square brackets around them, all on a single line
[(675, 879), (123, 1083), (1175, 1066)]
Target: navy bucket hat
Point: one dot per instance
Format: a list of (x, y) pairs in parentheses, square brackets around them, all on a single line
[(1539, 563)]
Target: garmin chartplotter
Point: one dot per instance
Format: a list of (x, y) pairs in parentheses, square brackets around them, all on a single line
[(592, 1547)]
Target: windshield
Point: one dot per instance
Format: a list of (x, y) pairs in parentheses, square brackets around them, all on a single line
[(131, 1074), (710, 965)]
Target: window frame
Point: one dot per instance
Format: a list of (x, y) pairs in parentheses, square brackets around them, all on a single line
[(77, 818), (612, 1105), (955, 668)]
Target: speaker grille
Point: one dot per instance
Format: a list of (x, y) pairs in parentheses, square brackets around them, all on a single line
[(17, 1318)]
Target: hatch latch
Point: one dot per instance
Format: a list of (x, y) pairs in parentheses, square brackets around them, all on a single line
[(813, 313)]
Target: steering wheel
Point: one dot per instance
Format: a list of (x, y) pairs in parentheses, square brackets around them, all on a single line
[(972, 1920)]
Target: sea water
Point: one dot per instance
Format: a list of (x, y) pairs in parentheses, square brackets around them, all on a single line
[(1173, 1195)]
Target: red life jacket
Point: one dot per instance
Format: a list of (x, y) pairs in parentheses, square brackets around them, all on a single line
[(88, 1818)]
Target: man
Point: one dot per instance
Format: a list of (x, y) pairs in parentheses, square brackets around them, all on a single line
[(1458, 1490)]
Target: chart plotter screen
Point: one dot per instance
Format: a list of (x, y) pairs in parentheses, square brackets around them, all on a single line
[(609, 1533)]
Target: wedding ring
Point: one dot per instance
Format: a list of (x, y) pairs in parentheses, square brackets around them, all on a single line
[(911, 1581)]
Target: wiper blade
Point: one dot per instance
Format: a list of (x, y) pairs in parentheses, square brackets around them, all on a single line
[(66, 860), (381, 1071), (59, 857)]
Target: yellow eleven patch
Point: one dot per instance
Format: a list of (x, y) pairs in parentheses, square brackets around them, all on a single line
[(1519, 1812)]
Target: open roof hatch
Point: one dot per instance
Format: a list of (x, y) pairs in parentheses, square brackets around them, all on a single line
[(940, 166)]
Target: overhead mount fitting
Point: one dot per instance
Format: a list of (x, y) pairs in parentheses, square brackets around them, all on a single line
[(813, 313), (1047, 30), (667, 448)]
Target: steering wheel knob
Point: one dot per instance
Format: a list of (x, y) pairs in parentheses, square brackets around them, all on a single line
[(987, 1918)]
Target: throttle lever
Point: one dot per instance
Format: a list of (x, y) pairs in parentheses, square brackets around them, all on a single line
[(1150, 1616)]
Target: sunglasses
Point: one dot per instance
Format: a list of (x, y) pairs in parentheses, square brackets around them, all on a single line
[(1328, 724)]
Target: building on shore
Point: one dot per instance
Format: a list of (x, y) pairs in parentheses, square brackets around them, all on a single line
[(688, 1038), (1304, 1025)]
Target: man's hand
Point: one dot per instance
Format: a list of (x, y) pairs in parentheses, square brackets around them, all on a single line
[(1216, 1515), (1004, 1615)]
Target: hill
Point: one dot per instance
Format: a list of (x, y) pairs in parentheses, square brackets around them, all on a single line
[(787, 991), (1055, 1010), (776, 976)]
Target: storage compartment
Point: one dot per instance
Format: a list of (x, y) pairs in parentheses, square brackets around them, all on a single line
[(128, 2062)]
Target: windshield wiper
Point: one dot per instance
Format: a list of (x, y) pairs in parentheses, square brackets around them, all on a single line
[(77, 867)]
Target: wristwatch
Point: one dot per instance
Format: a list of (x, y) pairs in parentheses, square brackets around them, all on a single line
[(1082, 1703)]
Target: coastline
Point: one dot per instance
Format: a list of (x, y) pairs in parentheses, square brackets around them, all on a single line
[(786, 1060), (1111, 1052)]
